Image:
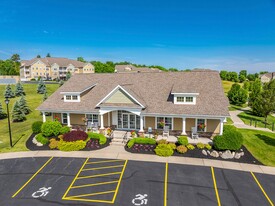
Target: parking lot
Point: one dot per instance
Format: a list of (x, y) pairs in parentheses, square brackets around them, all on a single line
[(77, 181)]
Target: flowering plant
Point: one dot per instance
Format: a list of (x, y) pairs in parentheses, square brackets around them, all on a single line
[(202, 126), (84, 119), (56, 118), (109, 130), (161, 124), (133, 133)]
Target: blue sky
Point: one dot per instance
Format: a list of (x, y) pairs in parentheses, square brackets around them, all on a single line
[(234, 35)]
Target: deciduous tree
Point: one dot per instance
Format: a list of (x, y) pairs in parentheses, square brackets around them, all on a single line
[(237, 95)]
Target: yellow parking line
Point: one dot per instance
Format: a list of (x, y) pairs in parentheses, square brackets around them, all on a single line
[(104, 161), (92, 194), (101, 168), (74, 179), (95, 184), (119, 181), (87, 200), (215, 186), (165, 184), (32, 177), (255, 178), (100, 175)]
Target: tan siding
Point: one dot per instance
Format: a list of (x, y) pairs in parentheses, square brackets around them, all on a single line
[(190, 123), (77, 119), (177, 123), (119, 97), (105, 120), (213, 125), (111, 119), (150, 122)]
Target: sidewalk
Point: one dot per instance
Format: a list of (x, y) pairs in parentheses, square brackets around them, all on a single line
[(240, 124), (118, 152)]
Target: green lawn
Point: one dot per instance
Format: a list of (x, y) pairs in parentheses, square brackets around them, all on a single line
[(261, 145), (22, 129), (247, 116), (229, 121)]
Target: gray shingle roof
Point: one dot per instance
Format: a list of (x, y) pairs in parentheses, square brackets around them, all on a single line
[(153, 90)]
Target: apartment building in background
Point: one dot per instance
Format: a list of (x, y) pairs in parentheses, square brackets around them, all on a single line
[(52, 68)]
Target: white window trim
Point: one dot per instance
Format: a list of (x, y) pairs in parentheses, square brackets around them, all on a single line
[(185, 95), (71, 100), (98, 117), (63, 118), (205, 122), (172, 123)]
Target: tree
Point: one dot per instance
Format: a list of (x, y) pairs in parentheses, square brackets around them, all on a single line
[(61, 83), (8, 92), (3, 115), (45, 96), (237, 95), (81, 59), (17, 114), (15, 58), (9, 67), (256, 88), (38, 56), (48, 55), (68, 75), (41, 88), (103, 67), (223, 75), (263, 72), (243, 73), (246, 85), (23, 105), (19, 90), (173, 69), (232, 76), (252, 77)]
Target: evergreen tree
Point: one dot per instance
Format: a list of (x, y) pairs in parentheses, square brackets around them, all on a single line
[(8, 92), (38, 56), (41, 88), (45, 96), (61, 83), (2, 113), (19, 90), (68, 75), (23, 105), (48, 55), (17, 114), (237, 95)]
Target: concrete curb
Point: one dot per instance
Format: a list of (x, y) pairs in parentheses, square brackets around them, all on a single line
[(118, 152)]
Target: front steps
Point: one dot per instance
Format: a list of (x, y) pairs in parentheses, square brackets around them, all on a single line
[(119, 137)]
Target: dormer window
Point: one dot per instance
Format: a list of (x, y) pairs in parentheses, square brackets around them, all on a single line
[(71, 98), (185, 98)]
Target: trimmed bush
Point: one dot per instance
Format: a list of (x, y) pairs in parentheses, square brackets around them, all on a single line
[(36, 127), (75, 136), (182, 140), (182, 149), (53, 143), (141, 140), (162, 141), (200, 145), (208, 146), (131, 143), (40, 138), (51, 128), (190, 147), (64, 130), (61, 136), (164, 150), (172, 145), (231, 139), (102, 139), (71, 146)]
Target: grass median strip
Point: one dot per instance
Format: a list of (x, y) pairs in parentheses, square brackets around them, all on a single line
[(31, 178)]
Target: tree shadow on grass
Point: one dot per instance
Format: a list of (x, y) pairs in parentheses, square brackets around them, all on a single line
[(268, 140)]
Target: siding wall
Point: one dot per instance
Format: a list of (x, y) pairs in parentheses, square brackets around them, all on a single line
[(189, 123), (77, 119), (177, 123), (149, 122), (119, 97), (213, 125)]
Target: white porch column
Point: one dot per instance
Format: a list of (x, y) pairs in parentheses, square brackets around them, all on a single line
[(141, 124), (183, 126), (68, 120), (44, 116), (101, 121), (221, 126)]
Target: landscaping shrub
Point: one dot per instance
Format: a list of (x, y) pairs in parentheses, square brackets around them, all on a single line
[(172, 145), (102, 139), (231, 139), (162, 141), (131, 143), (64, 130), (53, 143), (181, 149), (182, 140), (200, 145), (36, 127), (74, 136), (208, 146), (141, 140), (164, 150), (93, 144), (71, 146), (190, 147), (40, 138), (51, 128), (61, 136)]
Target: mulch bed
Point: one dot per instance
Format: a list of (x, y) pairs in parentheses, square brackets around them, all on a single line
[(197, 153), (33, 147)]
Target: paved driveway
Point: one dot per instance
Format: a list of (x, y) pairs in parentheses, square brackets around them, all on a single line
[(91, 181)]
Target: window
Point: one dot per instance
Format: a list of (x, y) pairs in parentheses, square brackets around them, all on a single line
[(201, 125), (64, 118), (189, 99), (74, 97), (68, 97), (180, 99), (166, 120), (92, 118)]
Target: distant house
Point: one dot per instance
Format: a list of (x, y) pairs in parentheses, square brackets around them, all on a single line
[(138, 101), (52, 68), (267, 77), (132, 68)]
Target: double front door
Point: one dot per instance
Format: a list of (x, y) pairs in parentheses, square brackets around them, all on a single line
[(128, 121)]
